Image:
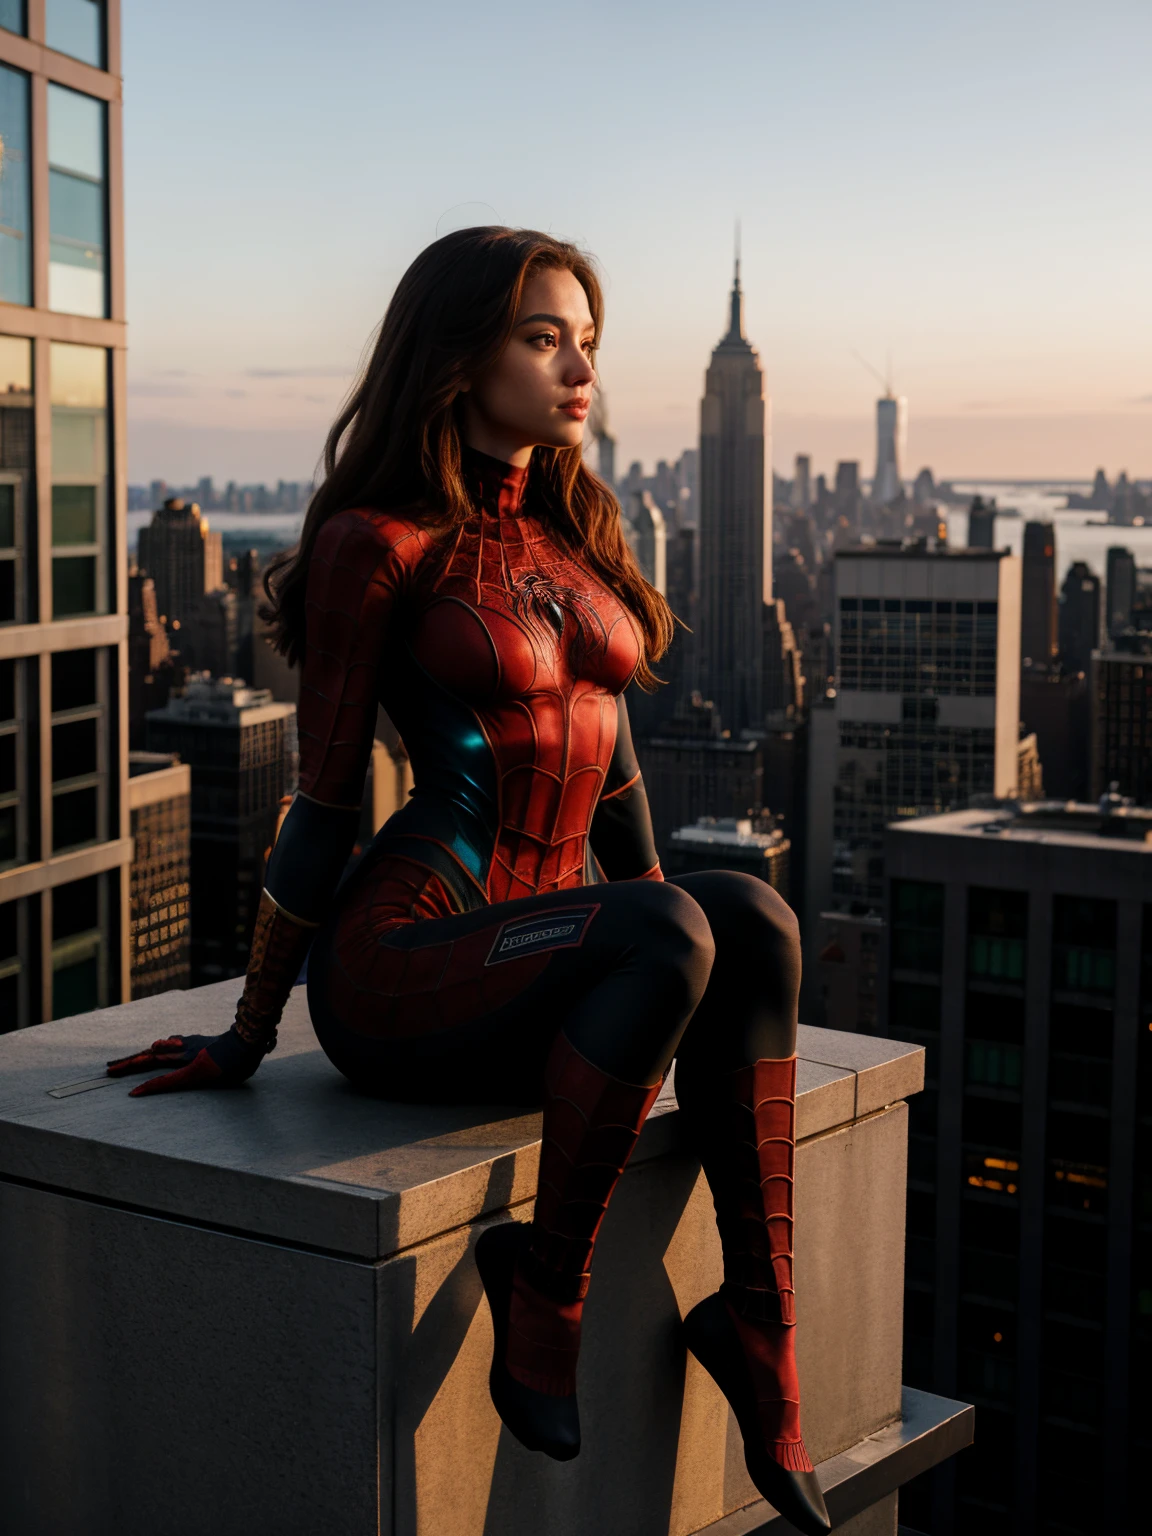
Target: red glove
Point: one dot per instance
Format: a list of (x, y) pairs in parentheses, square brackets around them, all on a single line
[(201, 1061)]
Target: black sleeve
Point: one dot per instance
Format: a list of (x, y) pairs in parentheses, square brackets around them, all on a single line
[(621, 837), (310, 856)]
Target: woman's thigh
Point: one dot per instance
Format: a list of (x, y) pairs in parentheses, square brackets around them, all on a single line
[(466, 1006)]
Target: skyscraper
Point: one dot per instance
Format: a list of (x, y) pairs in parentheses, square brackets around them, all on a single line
[(891, 435), (64, 843), (846, 495), (981, 524), (928, 702), (647, 536), (802, 483), (241, 748), (1038, 633), (1079, 617), (159, 796), (735, 527), (183, 558), (692, 768), (1020, 955), (1120, 576)]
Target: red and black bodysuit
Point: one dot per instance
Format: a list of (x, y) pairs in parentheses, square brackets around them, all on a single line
[(508, 938), (501, 660)]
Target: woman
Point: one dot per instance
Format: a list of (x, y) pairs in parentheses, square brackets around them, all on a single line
[(508, 936)]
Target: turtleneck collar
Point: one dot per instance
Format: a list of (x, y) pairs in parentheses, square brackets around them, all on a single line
[(495, 487)]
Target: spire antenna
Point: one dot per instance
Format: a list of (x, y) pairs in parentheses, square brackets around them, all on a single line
[(736, 302)]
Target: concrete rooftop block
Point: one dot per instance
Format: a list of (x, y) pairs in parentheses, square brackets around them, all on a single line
[(276, 1283), (297, 1154)]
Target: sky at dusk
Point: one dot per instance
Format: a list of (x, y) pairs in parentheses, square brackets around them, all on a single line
[(963, 189)]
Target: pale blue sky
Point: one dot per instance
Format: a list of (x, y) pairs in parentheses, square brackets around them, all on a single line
[(966, 188)]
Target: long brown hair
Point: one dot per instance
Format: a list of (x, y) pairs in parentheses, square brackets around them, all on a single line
[(396, 442)]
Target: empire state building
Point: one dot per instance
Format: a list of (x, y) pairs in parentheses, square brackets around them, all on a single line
[(735, 527)]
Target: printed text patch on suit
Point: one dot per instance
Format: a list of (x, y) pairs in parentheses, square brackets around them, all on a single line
[(531, 935)]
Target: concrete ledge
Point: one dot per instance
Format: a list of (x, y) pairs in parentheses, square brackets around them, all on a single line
[(298, 1156), (929, 1431), (278, 1284)]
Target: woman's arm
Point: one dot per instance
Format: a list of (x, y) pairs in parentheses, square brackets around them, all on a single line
[(360, 568), (621, 834)]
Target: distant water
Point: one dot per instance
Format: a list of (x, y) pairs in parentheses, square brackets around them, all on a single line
[(1079, 535)]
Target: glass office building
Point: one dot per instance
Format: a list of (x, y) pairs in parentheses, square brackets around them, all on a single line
[(64, 829)]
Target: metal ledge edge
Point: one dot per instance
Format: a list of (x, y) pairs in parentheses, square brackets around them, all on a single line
[(929, 1430)]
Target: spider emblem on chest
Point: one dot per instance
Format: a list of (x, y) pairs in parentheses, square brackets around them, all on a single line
[(538, 598)]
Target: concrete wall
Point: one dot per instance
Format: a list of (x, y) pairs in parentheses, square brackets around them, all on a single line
[(258, 1311)]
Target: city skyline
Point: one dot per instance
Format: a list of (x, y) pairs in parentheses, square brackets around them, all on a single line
[(925, 196)]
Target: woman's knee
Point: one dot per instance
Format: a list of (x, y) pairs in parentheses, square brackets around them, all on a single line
[(745, 910), (675, 929)]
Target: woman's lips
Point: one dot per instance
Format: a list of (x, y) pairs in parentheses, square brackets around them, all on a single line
[(577, 409)]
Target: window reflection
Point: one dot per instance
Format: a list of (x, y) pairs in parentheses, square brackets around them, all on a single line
[(15, 195), (77, 206), (77, 27), (79, 479), (14, 16)]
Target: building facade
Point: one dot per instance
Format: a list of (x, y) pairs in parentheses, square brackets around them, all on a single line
[(735, 527), (242, 751), (183, 557), (64, 836), (1019, 952), (692, 768), (1122, 719), (928, 699), (744, 844), (160, 802)]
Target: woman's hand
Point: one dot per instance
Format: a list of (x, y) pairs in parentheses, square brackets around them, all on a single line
[(200, 1061)]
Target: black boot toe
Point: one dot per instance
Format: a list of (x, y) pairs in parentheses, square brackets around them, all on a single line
[(538, 1420), (712, 1338)]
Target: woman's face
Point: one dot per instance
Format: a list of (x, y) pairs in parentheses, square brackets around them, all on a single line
[(538, 390)]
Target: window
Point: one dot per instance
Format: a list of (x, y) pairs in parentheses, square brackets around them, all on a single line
[(997, 928), (78, 216), (1084, 951), (10, 968), (76, 27), (917, 925), (79, 479), (79, 980), (15, 188), (79, 749), (14, 16), (15, 472), (13, 829)]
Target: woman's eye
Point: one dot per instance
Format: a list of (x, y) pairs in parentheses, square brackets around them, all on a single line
[(547, 337)]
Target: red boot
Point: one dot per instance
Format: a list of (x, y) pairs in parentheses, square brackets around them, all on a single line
[(744, 1336), (537, 1277)]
